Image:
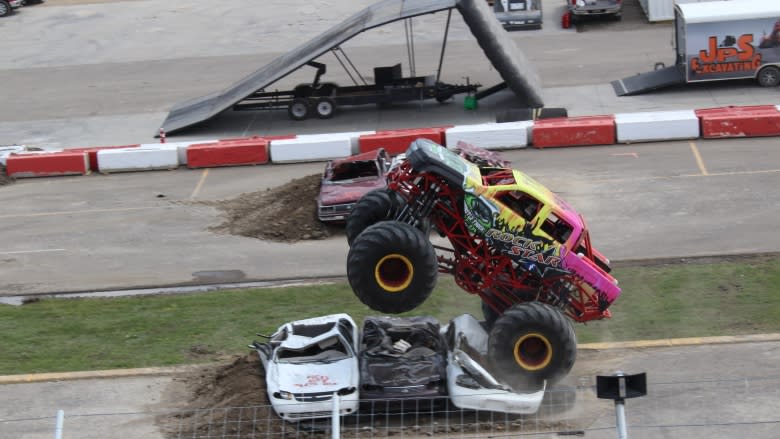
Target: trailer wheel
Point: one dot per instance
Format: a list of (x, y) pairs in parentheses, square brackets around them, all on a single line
[(530, 343), (769, 76), (325, 108), (299, 109), (392, 267)]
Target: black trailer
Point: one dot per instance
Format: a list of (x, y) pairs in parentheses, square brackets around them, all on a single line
[(321, 99), (514, 68)]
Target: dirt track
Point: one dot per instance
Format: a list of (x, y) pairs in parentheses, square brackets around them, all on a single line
[(287, 213)]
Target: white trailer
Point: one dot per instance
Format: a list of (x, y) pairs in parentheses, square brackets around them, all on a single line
[(662, 10), (717, 40)]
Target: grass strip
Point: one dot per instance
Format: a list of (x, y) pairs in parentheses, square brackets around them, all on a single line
[(659, 301)]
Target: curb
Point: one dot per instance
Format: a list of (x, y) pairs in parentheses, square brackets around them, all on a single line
[(615, 129), (675, 342), (162, 371)]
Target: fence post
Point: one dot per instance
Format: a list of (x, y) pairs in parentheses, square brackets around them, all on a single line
[(336, 419), (618, 387), (60, 421)]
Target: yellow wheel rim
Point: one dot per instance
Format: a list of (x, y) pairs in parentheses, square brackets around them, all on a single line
[(533, 351), (394, 272)]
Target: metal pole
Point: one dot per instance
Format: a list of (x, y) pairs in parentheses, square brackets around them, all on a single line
[(336, 419), (60, 421), (444, 44), (620, 406), (620, 415)]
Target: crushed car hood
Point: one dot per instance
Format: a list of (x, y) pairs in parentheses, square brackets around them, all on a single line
[(317, 377), (343, 193)]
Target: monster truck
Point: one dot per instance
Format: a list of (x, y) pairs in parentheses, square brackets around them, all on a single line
[(523, 250)]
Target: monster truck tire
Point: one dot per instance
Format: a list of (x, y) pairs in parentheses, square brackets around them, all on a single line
[(530, 343), (392, 267), (490, 316), (375, 206)]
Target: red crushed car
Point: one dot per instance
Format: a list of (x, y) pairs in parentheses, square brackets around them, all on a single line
[(346, 180)]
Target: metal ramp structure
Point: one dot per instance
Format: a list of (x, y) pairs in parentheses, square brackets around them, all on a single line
[(649, 81), (502, 52)]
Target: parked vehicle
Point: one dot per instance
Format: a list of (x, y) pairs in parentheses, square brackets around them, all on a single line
[(346, 180), (306, 362), (7, 6), (519, 14), (594, 8), (715, 41), (469, 384), (518, 246), (402, 358)]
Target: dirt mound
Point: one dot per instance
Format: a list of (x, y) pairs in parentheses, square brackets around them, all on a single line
[(220, 397), (286, 213), (230, 401)]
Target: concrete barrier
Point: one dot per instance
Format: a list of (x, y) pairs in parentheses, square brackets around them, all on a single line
[(144, 158), (748, 121), (47, 164), (656, 125), (93, 150), (6, 151), (315, 147), (573, 131), (233, 152), (397, 141), (507, 135)]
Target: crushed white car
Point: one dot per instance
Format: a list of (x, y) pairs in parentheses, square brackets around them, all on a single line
[(307, 363), (469, 384)]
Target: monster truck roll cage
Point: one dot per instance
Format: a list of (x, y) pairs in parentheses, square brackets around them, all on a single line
[(477, 267)]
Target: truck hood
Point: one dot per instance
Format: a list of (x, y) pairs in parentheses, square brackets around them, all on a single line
[(316, 377), (344, 193)]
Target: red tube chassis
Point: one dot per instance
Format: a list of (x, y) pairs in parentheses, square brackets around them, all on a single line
[(480, 269)]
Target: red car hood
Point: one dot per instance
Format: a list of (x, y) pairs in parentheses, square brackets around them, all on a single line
[(344, 193)]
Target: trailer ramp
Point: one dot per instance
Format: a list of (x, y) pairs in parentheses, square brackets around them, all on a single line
[(649, 81), (495, 42)]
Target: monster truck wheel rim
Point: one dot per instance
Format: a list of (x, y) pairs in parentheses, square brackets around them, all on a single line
[(533, 352), (394, 272)]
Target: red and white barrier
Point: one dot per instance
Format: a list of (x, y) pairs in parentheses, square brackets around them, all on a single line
[(47, 164), (573, 131), (180, 147), (232, 152), (745, 121), (506, 135), (315, 147), (656, 125), (6, 151), (397, 141), (93, 150), (143, 158), (749, 121)]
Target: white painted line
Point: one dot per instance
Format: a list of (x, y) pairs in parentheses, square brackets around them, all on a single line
[(34, 251)]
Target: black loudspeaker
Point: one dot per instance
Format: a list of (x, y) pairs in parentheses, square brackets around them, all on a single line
[(618, 387)]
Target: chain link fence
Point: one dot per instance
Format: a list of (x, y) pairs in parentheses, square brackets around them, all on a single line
[(729, 408)]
